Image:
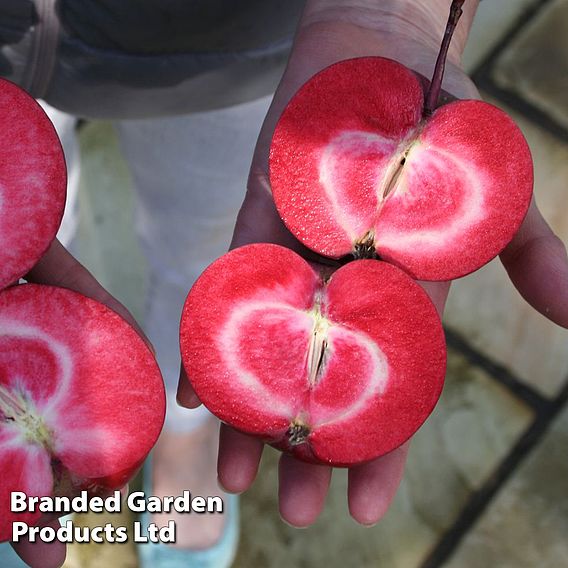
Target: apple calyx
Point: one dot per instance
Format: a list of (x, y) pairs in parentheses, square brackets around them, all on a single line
[(364, 248), (298, 433)]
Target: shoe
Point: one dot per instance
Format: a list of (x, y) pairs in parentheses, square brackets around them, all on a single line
[(8, 558), (219, 555)]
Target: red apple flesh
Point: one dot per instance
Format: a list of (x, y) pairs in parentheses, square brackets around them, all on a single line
[(338, 371), (355, 168), (33, 182), (81, 397)]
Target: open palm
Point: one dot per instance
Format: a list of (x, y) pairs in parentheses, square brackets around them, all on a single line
[(535, 260)]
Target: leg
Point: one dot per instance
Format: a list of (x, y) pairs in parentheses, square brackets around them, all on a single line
[(190, 174)]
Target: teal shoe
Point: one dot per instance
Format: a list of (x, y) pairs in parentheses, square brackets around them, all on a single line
[(220, 555), (9, 559)]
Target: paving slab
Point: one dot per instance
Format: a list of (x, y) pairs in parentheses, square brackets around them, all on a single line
[(527, 524), (535, 64), (486, 309), (494, 19)]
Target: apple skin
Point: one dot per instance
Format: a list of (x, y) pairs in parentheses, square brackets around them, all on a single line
[(82, 400), (33, 182), (353, 160), (252, 330)]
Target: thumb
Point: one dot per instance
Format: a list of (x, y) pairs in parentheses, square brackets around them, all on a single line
[(58, 267), (537, 264), (41, 554)]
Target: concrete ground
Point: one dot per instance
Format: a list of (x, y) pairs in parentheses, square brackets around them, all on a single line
[(486, 484)]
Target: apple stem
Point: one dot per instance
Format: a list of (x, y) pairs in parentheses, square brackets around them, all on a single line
[(436, 84)]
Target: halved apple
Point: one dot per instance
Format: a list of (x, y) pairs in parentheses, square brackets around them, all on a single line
[(33, 182), (336, 370), (357, 169), (81, 397)]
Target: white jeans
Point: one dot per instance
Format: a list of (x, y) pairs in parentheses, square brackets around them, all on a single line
[(190, 176)]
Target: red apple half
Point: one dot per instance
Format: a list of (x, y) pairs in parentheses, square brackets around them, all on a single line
[(355, 168), (33, 181), (81, 397), (339, 371)]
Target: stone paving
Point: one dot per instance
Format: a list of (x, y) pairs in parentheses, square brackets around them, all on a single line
[(487, 479)]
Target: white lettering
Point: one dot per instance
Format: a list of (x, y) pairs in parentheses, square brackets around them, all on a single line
[(121, 534), (112, 503), (18, 529), (168, 533), (198, 504), (154, 504), (214, 505), (18, 501), (47, 534), (136, 502), (138, 536), (79, 504), (182, 504), (96, 534), (96, 504)]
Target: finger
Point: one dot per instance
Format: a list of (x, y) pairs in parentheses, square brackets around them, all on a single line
[(537, 265), (185, 394), (302, 490), (258, 219), (239, 457), (58, 267), (438, 292), (373, 485), (41, 554)]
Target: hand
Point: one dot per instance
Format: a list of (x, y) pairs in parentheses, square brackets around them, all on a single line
[(59, 268), (535, 260)]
